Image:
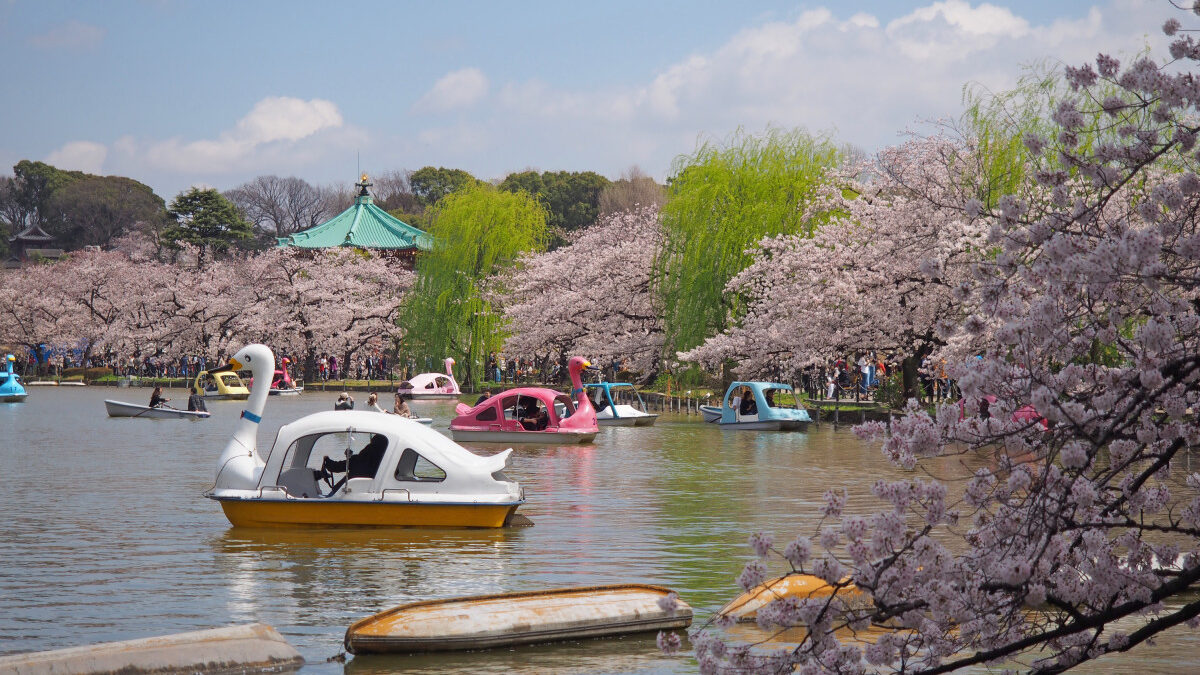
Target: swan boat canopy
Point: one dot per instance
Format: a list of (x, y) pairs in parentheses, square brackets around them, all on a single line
[(354, 468), (610, 413), (752, 405), (221, 384), (531, 415), (433, 386), (11, 390)]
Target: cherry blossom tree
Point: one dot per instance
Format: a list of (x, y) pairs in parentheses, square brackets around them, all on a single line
[(338, 300), (592, 296), (1080, 536), (880, 275)]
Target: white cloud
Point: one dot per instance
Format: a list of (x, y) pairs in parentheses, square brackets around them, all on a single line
[(865, 80), (459, 89), (288, 119), (70, 35), (83, 156), (273, 125)]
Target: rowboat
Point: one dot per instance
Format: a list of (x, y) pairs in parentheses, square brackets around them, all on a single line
[(795, 585), (485, 621), (123, 409)]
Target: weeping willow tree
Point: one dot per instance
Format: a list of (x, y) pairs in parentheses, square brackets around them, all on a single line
[(722, 200), (477, 231)]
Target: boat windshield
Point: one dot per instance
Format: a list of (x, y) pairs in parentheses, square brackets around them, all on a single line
[(330, 458), (564, 407), (780, 398)]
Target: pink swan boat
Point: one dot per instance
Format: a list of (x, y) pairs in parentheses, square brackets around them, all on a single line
[(433, 386), (531, 415)]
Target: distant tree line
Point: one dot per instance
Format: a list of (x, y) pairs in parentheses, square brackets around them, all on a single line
[(80, 209)]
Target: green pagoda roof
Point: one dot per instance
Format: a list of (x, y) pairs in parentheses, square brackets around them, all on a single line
[(363, 225)]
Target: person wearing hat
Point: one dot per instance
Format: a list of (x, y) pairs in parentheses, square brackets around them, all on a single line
[(344, 402)]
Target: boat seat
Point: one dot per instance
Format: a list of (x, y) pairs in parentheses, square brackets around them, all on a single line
[(359, 485), (299, 481), (748, 418)]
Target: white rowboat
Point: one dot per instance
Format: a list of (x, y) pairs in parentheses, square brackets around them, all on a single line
[(122, 409), (486, 621)]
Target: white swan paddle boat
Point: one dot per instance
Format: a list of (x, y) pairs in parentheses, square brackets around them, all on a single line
[(354, 468), (433, 386), (609, 413), (123, 409)]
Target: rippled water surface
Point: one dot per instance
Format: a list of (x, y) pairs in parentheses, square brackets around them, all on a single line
[(107, 537)]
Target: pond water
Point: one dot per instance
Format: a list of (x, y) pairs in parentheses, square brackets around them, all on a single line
[(106, 535)]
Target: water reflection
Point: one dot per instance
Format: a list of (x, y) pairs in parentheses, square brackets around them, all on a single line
[(107, 536)]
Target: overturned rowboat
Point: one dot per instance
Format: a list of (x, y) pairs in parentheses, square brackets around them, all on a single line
[(485, 621), (795, 585), (241, 649)]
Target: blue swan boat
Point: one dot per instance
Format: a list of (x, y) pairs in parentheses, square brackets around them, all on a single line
[(752, 405), (610, 413), (11, 390)]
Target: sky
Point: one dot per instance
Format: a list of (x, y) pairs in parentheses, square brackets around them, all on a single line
[(213, 93)]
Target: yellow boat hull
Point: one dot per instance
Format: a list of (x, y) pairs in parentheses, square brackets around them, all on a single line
[(802, 586), (270, 513)]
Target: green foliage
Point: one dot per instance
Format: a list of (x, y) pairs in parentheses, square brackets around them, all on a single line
[(998, 124), (430, 185), (94, 210), (720, 202), (38, 182), (417, 220), (208, 220), (891, 391), (572, 199), (478, 232)]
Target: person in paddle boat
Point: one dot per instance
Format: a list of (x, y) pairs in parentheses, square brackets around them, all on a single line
[(373, 403), (400, 407), (344, 402), (487, 393), (536, 418), (157, 400), (747, 406), (196, 403), (362, 464)]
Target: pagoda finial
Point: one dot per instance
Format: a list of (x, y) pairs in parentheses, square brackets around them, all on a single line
[(364, 185)]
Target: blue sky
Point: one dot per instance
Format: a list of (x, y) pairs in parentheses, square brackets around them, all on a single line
[(214, 93)]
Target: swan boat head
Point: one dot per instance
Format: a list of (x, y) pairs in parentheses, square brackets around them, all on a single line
[(240, 465)]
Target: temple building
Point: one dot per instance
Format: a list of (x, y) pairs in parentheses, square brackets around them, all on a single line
[(32, 243), (364, 225)]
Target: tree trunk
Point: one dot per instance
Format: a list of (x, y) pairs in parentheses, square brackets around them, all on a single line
[(909, 367)]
